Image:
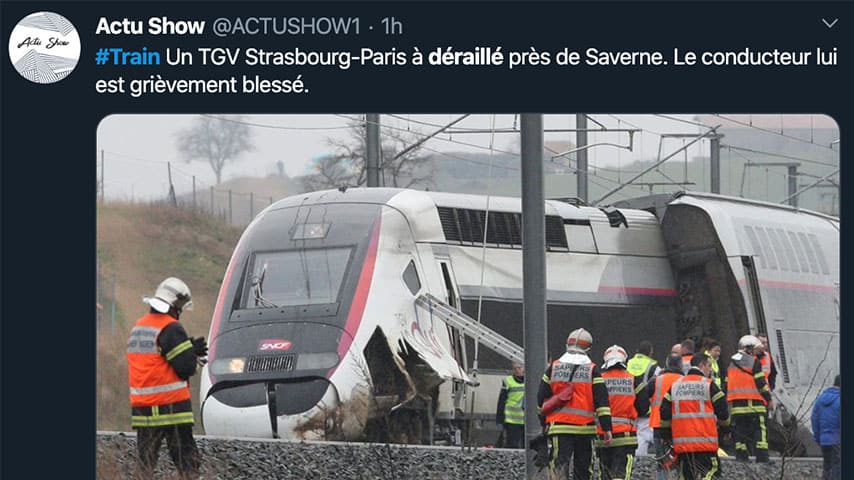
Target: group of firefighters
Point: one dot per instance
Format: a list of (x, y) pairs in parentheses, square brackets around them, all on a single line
[(624, 406)]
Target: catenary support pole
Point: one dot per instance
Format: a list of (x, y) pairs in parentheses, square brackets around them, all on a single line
[(372, 143), (533, 272), (581, 156)]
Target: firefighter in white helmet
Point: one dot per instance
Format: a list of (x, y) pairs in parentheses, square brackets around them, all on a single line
[(749, 399), (572, 396), (626, 397), (161, 359)]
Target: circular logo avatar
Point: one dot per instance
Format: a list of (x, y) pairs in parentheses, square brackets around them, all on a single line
[(44, 47)]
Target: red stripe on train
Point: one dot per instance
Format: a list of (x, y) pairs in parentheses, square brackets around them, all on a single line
[(360, 297), (793, 285), (654, 292)]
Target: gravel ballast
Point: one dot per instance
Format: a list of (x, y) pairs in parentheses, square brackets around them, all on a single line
[(227, 458)]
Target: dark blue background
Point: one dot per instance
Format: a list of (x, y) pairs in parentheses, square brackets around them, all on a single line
[(47, 167)]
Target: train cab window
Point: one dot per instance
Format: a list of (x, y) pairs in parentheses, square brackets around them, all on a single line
[(810, 253), (410, 278), (295, 277), (799, 250), (754, 242), (766, 248), (787, 248), (822, 262)]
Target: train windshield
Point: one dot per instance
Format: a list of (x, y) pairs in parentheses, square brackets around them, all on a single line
[(295, 277)]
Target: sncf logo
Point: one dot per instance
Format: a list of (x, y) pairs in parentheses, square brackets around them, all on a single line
[(267, 345)]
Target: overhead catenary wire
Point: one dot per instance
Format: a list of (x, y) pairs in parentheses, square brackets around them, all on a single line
[(780, 133)]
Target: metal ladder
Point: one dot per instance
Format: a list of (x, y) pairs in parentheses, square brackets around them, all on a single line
[(469, 326)]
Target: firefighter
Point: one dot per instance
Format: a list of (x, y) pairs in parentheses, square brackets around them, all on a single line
[(626, 398), (749, 399), (161, 359), (763, 354), (655, 391), (509, 413), (644, 367), (581, 398), (693, 409)]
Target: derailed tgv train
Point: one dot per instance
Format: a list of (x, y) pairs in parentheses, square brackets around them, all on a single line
[(321, 330)]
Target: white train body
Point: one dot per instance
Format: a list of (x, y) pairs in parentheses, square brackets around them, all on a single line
[(317, 333)]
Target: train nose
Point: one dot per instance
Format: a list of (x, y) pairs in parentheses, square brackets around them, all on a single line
[(303, 409)]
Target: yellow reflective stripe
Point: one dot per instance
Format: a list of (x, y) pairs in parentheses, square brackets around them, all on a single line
[(759, 375), (603, 411), (547, 379), (630, 460), (617, 442), (640, 388), (762, 443), (665, 424), (598, 380), (179, 349), (725, 423), (576, 411), (680, 440), (161, 420), (718, 396), (555, 451), (667, 397), (562, 428), (747, 410), (713, 470)]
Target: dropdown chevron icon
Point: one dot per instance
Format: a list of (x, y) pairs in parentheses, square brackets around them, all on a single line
[(830, 24)]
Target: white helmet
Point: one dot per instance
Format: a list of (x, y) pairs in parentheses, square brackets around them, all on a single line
[(579, 340), (613, 355), (172, 292), (748, 341)]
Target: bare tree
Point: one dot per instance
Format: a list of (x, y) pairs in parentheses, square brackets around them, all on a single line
[(217, 140), (401, 165)]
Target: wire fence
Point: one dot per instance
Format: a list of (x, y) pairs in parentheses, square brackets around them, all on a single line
[(122, 178)]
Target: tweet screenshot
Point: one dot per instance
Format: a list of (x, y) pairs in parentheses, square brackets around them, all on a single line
[(423, 240)]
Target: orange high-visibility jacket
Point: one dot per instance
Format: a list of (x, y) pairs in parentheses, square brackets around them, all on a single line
[(580, 410), (766, 362), (621, 396), (741, 381), (152, 380), (694, 424), (663, 382)]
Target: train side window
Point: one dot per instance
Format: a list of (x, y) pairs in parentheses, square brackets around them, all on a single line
[(580, 237), (766, 248), (778, 249), (810, 253), (787, 247), (410, 278), (799, 250), (754, 242), (822, 262)]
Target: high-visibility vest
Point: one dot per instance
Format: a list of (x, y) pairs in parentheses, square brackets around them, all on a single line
[(694, 424), (766, 361), (580, 410), (152, 380), (641, 365), (663, 383), (621, 396), (741, 381), (716, 369), (513, 412)]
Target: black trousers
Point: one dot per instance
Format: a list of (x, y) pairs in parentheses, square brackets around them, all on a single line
[(563, 448), (514, 435), (699, 466), (832, 465), (615, 463), (751, 436), (181, 444)]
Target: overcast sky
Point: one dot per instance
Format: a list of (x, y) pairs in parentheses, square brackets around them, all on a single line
[(136, 148)]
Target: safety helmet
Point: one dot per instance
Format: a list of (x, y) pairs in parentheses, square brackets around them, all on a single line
[(613, 355), (172, 292), (579, 340), (747, 342)]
